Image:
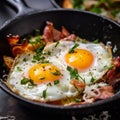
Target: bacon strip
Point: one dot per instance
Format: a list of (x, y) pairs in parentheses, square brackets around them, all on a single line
[(106, 92), (50, 34), (20, 48), (113, 75), (78, 84), (13, 39)]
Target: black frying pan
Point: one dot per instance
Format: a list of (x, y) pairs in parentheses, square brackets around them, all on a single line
[(86, 25)]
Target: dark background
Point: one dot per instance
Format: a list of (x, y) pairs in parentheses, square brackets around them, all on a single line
[(10, 109)]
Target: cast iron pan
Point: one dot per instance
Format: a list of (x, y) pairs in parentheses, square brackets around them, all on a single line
[(86, 25)]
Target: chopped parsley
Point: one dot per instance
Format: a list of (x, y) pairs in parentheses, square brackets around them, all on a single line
[(83, 41), (19, 69), (56, 82), (96, 41), (74, 74), (27, 80), (36, 41), (73, 48), (49, 84), (40, 56), (24, 59), (44, 95), (42, 78), (92, 79), (47, 53), (57, 43), (108, 67), (77, 100), (40, 49), (77, 39), (56, 73)]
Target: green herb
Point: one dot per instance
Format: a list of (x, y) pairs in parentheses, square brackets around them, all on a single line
[(92, 79), (108, 67), (47, 53), (57, 43), (49, 84), (57, 73), (19, 69), (36, 41), (44, 95), (77, 100), (24, 59), (74, 74), (56, 82), (77, 39), (42, 78), (73, 48), (39, 56), (96, 41), (27, 80), (84, 41)]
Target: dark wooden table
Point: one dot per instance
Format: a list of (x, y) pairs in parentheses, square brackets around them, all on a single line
[(10, 109)]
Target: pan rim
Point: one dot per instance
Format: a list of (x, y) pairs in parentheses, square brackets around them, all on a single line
[(54, 10)]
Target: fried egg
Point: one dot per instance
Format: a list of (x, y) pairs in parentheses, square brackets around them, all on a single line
[(47, 76)]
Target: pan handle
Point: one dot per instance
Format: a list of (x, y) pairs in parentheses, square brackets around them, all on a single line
[(19, 6)]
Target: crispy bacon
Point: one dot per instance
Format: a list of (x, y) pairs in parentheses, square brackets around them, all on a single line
[(113, 75), (105, 92), (13, 39), (78, 84), (70, 37), (20, 48), (8, 61), (116, 62), (50, 34), (65, 32)]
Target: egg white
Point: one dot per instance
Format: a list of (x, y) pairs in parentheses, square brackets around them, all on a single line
[(101, 63), (53, 92)]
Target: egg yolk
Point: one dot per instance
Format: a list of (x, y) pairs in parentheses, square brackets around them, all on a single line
[(81, 59), (42, 73)]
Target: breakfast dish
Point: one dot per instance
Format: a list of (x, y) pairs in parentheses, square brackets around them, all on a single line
[(108, 8), (61, 68)]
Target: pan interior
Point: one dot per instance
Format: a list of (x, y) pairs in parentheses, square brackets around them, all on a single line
[(83, 24)]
